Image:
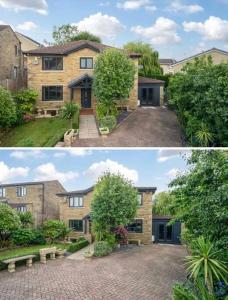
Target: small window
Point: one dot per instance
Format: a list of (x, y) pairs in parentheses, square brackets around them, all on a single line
[(76, 225), (86, 63), (16, 50), (52, 93), (140, 199), (21, 191), (52, 63), (22, 208), (14, 72), (2, 192), (76, 201), (136, 227)]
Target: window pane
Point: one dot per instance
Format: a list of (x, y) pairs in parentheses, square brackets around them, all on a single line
[(139, 199), (136, 226), (169, 232), (76, 225), (89, 63), (2, 192), (150, 96), (75, 201), (161, 232), (81, 201), (83, 63), (52, 93), (71, 201), (53, 63)]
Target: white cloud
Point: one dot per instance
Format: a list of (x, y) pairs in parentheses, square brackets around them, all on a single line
[(104, 4), (48, 171), (27, 26), (163, 32), (80, 152), (213, 29), (165, 154), (59, 154), (136, 4), (98, 169), (172, 173), (178, 6), (18, 154), (2, 22), (105, 26), (39, 6), (7, 173)]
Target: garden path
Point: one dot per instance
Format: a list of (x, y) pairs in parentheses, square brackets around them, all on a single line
[(88, 127)]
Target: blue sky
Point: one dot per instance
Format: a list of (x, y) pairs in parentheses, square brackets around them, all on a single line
[(80, 168), (176, 28)]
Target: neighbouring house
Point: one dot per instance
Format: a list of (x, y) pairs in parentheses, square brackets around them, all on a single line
[(218, 56), (75, 208), (27, 43), (64, 73), (11, 59), (37, 197), (165, 64)]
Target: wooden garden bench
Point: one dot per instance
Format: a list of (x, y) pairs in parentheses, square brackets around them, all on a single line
[(44, 252), (11, 262)]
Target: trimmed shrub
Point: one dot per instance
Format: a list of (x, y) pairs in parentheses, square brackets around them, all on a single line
[(26, 219), (54, 229), (78, 245), (102, 249), (23, 236), (110, 238), (8, 114), (108, 121), (39, 238)]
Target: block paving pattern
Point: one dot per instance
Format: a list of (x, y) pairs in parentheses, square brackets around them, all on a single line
[(145, 273)]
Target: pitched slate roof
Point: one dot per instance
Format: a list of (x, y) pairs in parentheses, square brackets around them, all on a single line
[(27, 37), (75, 82), (146, 80), (200, 54), (86, 191), (167, 61), (68, 48), (26, 183)]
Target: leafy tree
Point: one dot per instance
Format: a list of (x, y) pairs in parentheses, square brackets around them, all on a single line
[(25, 100), (114, 203), (26, 219), (64, 34), (68, 111), (54, 229), (85, 35), (200, 196), (205, 262), (7, 109), (163, 204), (199, 94), (9, 221), (149, 61), (113, 77)]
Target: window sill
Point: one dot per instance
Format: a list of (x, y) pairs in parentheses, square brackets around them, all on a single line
[(52, 101), (53, 71)]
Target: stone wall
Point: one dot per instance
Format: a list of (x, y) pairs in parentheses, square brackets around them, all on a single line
[(71, 70)]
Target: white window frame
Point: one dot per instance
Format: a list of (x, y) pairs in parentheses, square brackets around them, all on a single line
[(76, 201), (22, 190), (2, 192), (22, 208), (141, 199)]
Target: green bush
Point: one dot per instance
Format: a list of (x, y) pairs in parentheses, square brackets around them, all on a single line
[(8, 114), (103, 108), (108, 121), (182, 293), (110, 238), (25, 100), (54, 230), (102, 249), (23, 236), (39, 238), (26, 219), (77, 246)]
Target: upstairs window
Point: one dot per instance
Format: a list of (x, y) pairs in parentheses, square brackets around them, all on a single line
[(16, 50), (136, 227), (86, 63), (76, 201), (15, 72), (52, 93), (21, 191), (52, 63), (22, 208), (140, 199), (76, 225), (2, 192)]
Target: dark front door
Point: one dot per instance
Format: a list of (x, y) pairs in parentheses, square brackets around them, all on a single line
[(149, 96), (164, 233), (86, 97)]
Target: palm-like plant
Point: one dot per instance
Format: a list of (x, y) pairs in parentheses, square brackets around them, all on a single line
[(204, 136), (205, 261), (68, 112)]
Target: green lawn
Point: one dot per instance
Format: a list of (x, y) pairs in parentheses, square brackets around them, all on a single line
[(45, 132)]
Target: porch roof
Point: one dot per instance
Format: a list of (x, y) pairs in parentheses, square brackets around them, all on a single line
[(84, 79), (87, 217)]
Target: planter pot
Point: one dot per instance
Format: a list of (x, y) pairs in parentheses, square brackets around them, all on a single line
[(88, 254), (68, 138), (60, 253), (104, 130)]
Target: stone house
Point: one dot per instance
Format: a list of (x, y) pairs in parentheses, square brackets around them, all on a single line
[(11, 59), (64, 73), (37, 197), (27, 43), (165, 64), (75, 208), (218, 56)]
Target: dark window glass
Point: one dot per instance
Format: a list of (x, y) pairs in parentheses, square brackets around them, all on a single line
[(161, 232), (86, 63), (137, 226), (144, 94), (76, 225), (169, 232), (52, 93), (150, 94), (16, 51), (52, 63)]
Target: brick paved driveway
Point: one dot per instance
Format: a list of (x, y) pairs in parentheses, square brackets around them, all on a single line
[(144, 273), (146, 127)]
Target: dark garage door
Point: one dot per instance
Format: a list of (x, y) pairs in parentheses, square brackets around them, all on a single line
[(149, 96), (164, 233)]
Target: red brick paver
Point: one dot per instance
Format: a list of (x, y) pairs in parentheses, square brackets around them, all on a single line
[(144, 273)]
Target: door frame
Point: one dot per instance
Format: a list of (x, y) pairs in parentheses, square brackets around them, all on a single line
[(83, 96), (176, 230)]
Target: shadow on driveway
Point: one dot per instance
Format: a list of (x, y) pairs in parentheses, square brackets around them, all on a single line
[(145, 127)]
